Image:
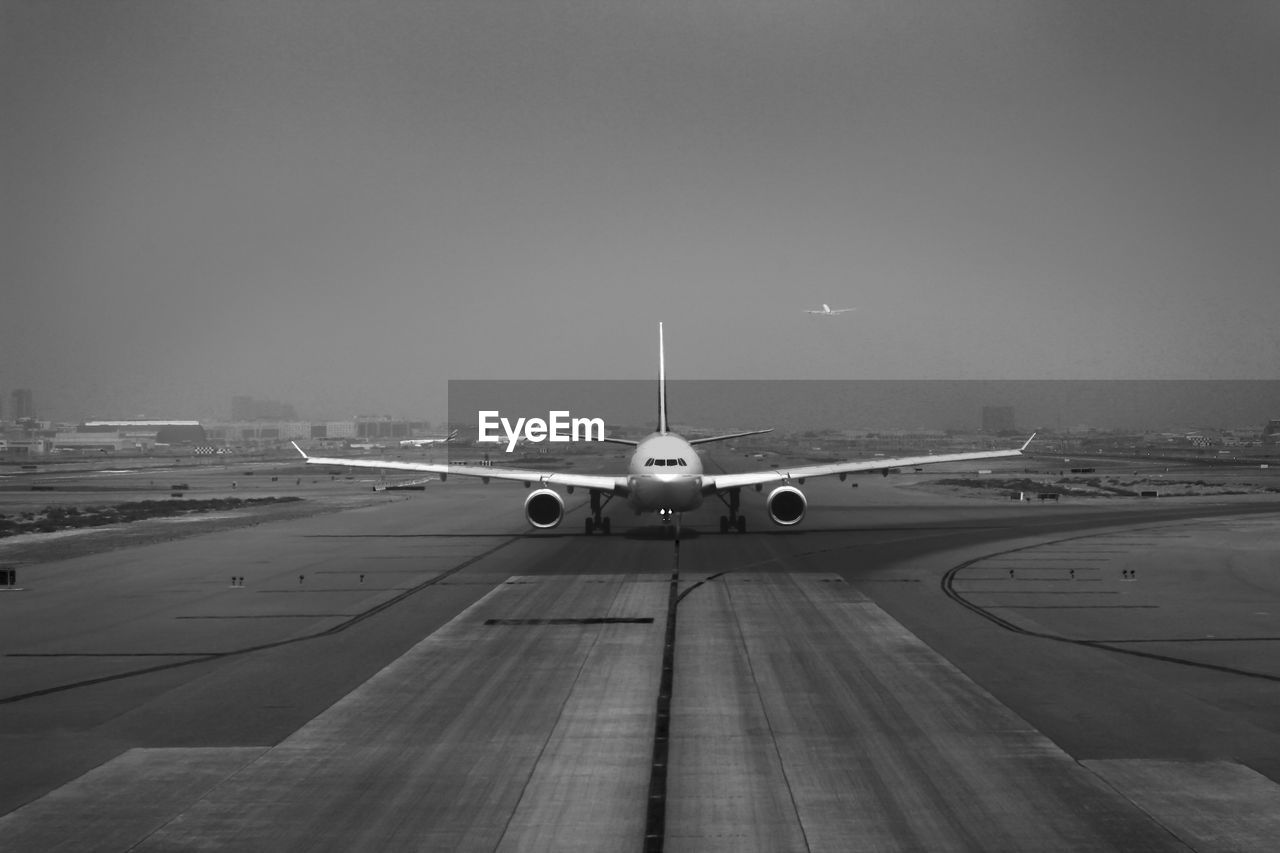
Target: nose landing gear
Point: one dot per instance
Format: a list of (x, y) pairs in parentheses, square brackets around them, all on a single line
[(670, 523)]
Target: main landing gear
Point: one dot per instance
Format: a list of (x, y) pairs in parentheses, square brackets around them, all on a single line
[(595, 521), (732, 520)]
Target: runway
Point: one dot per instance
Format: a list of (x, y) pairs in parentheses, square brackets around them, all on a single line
[(439, 679)]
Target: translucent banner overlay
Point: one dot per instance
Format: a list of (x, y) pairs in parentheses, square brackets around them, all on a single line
[(930, 410)]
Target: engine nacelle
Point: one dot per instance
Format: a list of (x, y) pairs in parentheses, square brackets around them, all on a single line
[(544, 508), (786, 505)]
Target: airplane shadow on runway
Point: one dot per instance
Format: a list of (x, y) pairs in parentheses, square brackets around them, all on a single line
[(654, 532), (657, 532)]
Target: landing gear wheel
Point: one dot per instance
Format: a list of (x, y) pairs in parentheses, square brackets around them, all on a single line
[(724, 524), (595, 521), (742, 524)]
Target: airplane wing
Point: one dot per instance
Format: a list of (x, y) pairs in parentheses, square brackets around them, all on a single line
[(721, 482), (608, 485)]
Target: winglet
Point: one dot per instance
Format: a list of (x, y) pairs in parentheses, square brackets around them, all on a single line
[(1024, 446), (299, 449)]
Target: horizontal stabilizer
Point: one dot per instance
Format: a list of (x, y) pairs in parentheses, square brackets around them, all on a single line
[(729, 436)]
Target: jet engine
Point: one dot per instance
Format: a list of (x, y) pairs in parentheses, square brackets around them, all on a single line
[(544, 508), (786, 505)]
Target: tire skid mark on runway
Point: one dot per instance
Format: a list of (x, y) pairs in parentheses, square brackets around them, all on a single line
[(656, 811), (191, 660), (655, 824)]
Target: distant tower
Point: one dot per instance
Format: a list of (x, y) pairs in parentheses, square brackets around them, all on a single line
[(997, 419), (1271, 432), (23, 404)]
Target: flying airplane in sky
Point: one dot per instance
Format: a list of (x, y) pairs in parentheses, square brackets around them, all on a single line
[(425, 442), (827, 311), (665, 475)]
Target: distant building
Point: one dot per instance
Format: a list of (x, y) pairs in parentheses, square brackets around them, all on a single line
[(340, 429), (109, 435), (131, 434), (1271, 432), (998, 419), (237, 432), (23, 404)]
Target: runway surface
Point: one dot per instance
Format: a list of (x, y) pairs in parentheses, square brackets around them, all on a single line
[(902, 672)]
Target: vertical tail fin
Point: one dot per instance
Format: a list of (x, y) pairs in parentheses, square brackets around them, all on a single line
[(662, 384)]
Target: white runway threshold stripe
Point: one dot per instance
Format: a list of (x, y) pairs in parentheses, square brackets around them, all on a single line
[(806, 719)]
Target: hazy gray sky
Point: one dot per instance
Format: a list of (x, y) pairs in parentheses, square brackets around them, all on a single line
[(343, 204)]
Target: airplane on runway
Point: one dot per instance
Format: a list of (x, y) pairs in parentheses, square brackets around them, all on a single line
[(426, 442), (665, 476), (827, 311)]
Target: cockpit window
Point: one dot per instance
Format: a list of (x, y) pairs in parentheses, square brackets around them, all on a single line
[(672, 463)]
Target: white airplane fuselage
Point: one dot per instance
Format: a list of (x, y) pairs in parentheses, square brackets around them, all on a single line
[(665, 473)]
